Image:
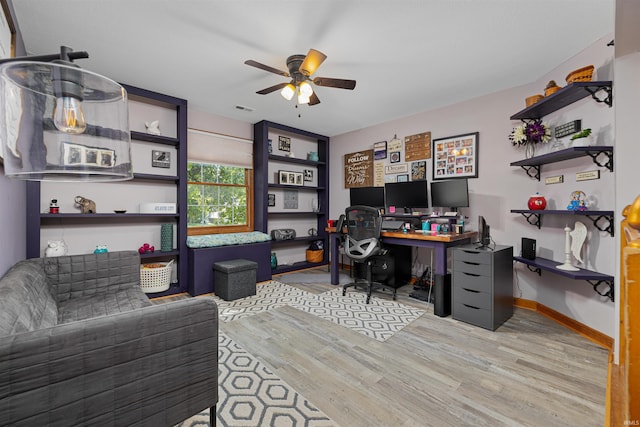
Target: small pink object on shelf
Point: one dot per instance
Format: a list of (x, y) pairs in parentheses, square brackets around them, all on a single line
[(146, 248)]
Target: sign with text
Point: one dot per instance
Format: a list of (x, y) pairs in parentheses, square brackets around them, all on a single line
[(358, 169), (417, 147)]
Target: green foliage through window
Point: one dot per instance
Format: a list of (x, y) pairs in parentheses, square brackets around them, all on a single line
[(216, 195)]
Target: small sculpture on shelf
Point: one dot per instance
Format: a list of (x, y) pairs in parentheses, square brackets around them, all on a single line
[(100, 249), (573, 244), (153, 127), (537, 202), (55, 248), (146, 248), (577, 202), (86, 205)]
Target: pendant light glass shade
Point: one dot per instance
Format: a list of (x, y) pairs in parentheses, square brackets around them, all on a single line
[(60, 122), (288, 91)]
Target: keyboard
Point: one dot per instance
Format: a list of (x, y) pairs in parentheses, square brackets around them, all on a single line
[(392, 224)]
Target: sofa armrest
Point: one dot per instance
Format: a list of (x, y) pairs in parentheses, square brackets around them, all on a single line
[(157, 365)]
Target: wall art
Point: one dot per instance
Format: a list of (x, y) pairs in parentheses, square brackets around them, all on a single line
[(456, 156), (290, 178), (418, 170), (358, 169), (380, 150), (308, 175), (394, 157), (271, 199), (160, 159), (291, 199), (284, 143), (417, 147)]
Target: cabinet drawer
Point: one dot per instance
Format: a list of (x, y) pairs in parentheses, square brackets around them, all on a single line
[(472, 297), (462, 279), (469, 313), (472, 267), (483, 257)]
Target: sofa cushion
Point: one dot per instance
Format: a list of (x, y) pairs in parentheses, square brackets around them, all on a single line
[(111, 302), (25, 301), (226, 239)]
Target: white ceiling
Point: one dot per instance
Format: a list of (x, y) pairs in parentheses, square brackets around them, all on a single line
[(407, 56)]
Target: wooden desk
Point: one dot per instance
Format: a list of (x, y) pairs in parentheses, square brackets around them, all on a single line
[(440, 242)]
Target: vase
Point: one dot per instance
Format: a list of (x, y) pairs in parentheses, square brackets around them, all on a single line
[(274, 261), (529, 150)]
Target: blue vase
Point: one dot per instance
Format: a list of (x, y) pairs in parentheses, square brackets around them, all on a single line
[(274, 260)]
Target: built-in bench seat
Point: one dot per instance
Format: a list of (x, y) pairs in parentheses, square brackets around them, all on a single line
[(207, 249)]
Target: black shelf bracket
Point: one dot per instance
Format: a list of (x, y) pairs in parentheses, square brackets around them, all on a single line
[(536, 218), (607, 218), (532, 171), (595, 154), (593, 91), (607, 292), (535, 269)]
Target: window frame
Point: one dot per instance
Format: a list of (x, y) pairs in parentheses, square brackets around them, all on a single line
[(220, 229)]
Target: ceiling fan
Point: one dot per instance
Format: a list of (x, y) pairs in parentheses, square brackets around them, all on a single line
[(301, 67)]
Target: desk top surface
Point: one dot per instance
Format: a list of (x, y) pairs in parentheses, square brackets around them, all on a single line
[(419, 235)]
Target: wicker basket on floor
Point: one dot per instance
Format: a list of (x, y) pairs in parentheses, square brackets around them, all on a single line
[(315, 256), (583, 74), (155, 277)]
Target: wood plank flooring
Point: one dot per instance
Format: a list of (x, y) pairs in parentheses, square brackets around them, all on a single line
[(436, 371)]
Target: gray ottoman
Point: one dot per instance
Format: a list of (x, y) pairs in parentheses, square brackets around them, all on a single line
[(234, 279)]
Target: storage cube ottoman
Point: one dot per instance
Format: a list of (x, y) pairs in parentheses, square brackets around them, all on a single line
[(234, 279)]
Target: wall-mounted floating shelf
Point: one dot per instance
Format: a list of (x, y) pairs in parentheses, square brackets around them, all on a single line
[(567, 95), (597, 280), (532, 165), (533, 217)]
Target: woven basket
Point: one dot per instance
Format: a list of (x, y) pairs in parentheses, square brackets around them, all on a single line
[(551, 88), (315, 256), (583, 74), (530, 100), (155, 277)]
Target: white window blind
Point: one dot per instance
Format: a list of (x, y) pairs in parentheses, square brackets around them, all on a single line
[(209, 147)]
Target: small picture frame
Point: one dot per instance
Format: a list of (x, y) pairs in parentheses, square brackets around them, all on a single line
[(291, 178), (284, 143), (160, 159), (290, 199), (394, 157), (271, 199), (403, 178), (308, 175), (80, 155)]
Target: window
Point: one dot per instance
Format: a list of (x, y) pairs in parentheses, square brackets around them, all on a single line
[(219, 198)]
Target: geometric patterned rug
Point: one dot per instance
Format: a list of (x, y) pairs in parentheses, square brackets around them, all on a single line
[(379, 319), (251, 395)]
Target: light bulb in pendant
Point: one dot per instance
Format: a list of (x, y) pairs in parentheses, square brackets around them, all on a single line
[(68, 115)]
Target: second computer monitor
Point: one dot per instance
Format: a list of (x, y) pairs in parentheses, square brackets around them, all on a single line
[(406, 196), (453, 193)]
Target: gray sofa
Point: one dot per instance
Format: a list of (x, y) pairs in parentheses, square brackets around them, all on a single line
[(81, 344)]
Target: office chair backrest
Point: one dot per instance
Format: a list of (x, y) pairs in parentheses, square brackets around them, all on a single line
[(363, 225)]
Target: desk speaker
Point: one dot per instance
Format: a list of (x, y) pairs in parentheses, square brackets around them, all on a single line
[(528, 248)]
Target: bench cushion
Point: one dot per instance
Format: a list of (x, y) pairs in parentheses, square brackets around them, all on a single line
[(226, 239)]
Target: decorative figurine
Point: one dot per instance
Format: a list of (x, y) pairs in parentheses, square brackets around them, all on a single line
[(86, 205), (537, 202), (573, 244), (55, 248), (153, 127), (146, 248), (100, 249), (577, 202), (53, 207)]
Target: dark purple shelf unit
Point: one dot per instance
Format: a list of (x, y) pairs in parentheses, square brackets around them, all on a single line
[(35, 218), (261, 158), (567, 95)]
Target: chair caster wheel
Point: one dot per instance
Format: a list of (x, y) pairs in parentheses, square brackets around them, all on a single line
[(344, 292)]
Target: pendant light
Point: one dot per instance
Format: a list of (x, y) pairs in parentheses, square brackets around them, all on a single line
[(59, 122)]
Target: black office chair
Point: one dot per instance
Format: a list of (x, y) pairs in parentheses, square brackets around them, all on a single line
[(363, 246)]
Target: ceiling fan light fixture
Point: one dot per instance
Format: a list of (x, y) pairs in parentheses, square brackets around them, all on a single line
[(305, 89), (303, 99), (288, 91)]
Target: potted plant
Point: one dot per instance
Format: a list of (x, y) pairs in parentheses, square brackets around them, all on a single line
[(582, 138)]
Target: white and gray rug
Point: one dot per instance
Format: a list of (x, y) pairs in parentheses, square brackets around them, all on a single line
[(379, 319), (250, 395)]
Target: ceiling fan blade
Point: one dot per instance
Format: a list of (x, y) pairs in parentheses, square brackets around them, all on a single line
[(311, 62), (272, 88), (339, 83), (253, 63), (313, 99)]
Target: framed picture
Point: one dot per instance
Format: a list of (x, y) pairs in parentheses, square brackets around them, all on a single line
[(291, 178), (290, 199), (418, 170), (80, 155), (456, 156), (308, 175), (394, 157), (271, 199), (380, 150), (284, 143), (160, 159), (403, 178)]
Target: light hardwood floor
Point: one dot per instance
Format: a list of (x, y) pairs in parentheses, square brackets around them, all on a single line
[(434, 372)]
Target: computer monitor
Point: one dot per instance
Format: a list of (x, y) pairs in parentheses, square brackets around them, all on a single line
[(453, 193), (367, 196), (407, 195)]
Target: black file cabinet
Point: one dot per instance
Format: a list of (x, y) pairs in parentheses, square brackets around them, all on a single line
[(482, 283)]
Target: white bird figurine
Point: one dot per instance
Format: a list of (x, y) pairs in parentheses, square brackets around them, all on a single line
[(153, 127)]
